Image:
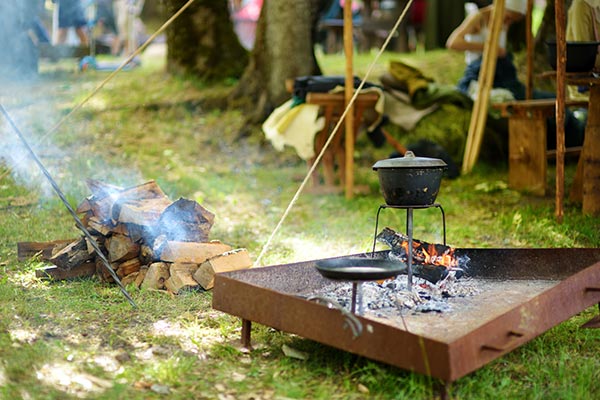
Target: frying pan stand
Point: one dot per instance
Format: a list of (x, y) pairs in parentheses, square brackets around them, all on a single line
[(409, 232), (357, 298)]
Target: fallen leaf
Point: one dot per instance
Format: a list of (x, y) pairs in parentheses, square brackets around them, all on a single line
[(237, 377), (294, 353), (362, 388), (160, 389), (220, 387)]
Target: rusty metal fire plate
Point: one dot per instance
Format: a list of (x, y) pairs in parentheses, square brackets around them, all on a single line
[(525, 292)]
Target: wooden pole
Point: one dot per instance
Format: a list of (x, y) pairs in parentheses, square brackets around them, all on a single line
[(530, 50), (349, 91), (561, 57), (486, 80)]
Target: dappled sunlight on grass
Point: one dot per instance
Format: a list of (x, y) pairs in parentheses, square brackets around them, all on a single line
[(65, 377), (81, 338), (311, 248)]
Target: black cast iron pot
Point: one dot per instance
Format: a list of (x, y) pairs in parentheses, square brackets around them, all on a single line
[(410, 180), (581, 56)]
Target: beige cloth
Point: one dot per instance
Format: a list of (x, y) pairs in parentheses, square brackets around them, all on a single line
[(400, 111), (295, 127)]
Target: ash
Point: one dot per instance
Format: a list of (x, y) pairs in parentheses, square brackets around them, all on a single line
[(392, 297)]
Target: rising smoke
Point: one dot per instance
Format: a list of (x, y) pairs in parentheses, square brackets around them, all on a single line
[(18, 53), (29, 97)]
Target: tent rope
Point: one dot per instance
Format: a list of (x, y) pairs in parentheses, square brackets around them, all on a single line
[(104, 82), (332, 134)]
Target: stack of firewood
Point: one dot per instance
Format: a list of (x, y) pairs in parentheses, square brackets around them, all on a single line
[(149, 240)]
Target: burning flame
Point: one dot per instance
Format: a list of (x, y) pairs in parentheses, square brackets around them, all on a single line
[(426, 253)]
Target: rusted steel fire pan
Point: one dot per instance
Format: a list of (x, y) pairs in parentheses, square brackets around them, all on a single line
[(272, 296)]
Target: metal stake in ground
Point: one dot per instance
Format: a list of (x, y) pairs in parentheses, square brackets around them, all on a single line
[(62, 197)]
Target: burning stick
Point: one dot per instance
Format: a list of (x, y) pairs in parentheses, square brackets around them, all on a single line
[(423, 252), (431, 261)]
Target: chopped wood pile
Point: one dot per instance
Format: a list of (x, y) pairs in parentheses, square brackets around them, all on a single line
[(149, 240)]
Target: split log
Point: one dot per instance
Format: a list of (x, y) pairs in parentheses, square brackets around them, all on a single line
[(87, 269), (121, 248), (230, 261), (95, 226), (181, 279), (101, 189), (158, 245), (141, 275), (85, 218), (143, 212), (128, 267), (146, 191), (140, 233), (72, 255), (107, 199), (102, 273), (27, 250), (101, 208), (84, 207), (146, 254), (130, 279), (156, 276), (186, 221), (100, 241), (105, 227), (192, 252)]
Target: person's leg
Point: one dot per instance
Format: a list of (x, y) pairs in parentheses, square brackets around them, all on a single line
[(82, 35), (62, 35)]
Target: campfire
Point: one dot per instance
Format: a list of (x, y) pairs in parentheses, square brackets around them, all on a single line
[(438, 270), (150, 241)]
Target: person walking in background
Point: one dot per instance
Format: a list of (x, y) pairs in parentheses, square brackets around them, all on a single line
[(71, 15), (105, 16), (127, 14)]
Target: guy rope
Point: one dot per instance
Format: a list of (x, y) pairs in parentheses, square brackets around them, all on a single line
[(333, 133)]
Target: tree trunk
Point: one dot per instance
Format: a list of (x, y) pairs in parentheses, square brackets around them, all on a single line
[(283, 49), (441, 19), (202, 42)]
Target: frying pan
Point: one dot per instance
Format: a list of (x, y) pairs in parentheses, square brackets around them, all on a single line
[(359, 268)]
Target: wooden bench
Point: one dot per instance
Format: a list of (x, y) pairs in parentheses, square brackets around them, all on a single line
[(527, 147)]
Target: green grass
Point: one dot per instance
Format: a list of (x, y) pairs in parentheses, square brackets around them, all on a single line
[(82, 339)]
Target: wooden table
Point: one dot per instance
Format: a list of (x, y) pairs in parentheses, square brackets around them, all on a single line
[(586, 186), (334, 158)]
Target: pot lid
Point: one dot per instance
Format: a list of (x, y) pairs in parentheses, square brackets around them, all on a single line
[(410, 161)]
